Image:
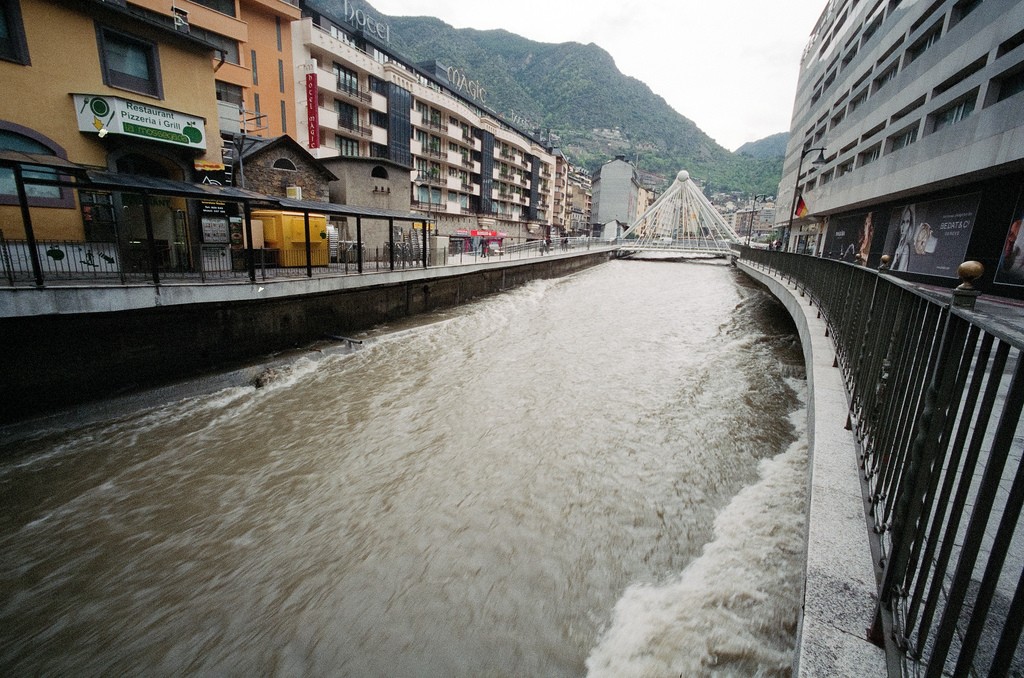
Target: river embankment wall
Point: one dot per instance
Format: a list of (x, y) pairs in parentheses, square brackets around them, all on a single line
[(840, 589), (72, 344)]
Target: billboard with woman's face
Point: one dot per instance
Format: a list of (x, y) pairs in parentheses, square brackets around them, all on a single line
[(931, 237), (849, 238), (1011, 260)]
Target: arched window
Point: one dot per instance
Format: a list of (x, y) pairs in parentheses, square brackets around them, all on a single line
[(379, 173), (17, 138), (284, 164)]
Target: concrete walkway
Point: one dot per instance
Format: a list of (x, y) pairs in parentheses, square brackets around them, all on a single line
[(839, 586)]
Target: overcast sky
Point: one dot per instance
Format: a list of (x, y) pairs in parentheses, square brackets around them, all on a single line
[(729, 65)]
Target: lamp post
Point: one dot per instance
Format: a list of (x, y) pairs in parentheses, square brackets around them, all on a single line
[(820, 160), (753, 213)]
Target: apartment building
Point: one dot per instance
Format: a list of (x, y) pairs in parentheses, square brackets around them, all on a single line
[(580, 199), (905, 139), (460, 164)]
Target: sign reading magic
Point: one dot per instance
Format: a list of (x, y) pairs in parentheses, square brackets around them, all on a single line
[(113, 115)]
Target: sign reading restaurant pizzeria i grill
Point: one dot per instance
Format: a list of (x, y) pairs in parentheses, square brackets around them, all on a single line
[(113, 115)]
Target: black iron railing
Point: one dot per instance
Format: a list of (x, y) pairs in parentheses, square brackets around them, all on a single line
[(935, 397)]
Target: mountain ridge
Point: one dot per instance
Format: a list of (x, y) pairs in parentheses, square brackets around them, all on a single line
[(574, 97)]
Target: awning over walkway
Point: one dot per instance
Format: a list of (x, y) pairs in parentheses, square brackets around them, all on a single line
[(50, 170), (90, 177)]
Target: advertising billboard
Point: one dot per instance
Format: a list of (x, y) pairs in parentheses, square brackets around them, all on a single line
[(931, 237)]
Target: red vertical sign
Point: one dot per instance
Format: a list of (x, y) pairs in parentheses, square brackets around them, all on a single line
[(312, 111)]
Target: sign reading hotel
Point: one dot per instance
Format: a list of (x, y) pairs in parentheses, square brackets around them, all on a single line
[(312, 110), (105, 115)]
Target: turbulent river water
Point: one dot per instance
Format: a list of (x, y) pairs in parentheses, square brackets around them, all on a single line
[(598, 475)]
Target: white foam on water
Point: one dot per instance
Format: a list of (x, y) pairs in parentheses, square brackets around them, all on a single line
[(732, 611)]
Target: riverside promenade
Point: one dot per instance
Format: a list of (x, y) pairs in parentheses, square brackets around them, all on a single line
[(839, 586), (915, 426)]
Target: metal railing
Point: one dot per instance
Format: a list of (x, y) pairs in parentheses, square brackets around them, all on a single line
[(935, 397), (110, 263)]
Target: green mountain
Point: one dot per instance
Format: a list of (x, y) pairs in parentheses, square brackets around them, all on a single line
[(574, 97), (769, 147)]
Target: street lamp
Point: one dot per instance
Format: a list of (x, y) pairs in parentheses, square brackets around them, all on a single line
[(753, 213), (820, 160)]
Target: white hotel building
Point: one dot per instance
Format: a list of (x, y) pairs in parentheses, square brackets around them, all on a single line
[(460, 163), (917, 107)]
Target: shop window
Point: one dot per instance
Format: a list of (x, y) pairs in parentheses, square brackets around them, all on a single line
[(129, 63), (12, 33), (25, 141)]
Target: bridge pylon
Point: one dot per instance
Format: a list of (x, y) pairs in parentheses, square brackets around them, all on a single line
[(681, 220)]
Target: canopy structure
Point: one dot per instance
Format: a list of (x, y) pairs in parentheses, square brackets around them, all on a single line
[(681, 220), (31, 169)]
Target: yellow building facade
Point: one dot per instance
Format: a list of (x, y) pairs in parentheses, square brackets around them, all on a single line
[(102, 85)]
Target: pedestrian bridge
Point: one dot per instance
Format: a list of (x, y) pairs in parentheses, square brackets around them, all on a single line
[(683, 222)]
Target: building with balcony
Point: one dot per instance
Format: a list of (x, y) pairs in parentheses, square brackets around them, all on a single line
[(364, 104), (580, 198), (914, 108)]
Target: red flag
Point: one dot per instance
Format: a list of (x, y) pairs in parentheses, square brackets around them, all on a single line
[(801, 207)]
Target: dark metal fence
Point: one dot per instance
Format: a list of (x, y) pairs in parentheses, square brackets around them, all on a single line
[(935, 396), (112, 263)]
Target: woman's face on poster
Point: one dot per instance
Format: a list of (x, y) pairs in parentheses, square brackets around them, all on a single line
[(906, 221)]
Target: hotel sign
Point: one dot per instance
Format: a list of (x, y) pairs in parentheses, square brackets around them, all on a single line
[(105, 115), (312, 110)]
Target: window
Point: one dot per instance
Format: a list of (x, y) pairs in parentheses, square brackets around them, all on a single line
[(857, 100), (129, 63), (379, 86), (348, 147), (953, 114), (348, 80), (1009, 85), (229, 93), (869, 156), (884, 78), (903, 139), (924, 43), (844, 168), (348, 115), (26, 141), (962, 9), (12, 33), (285, 164), (222, 6)]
